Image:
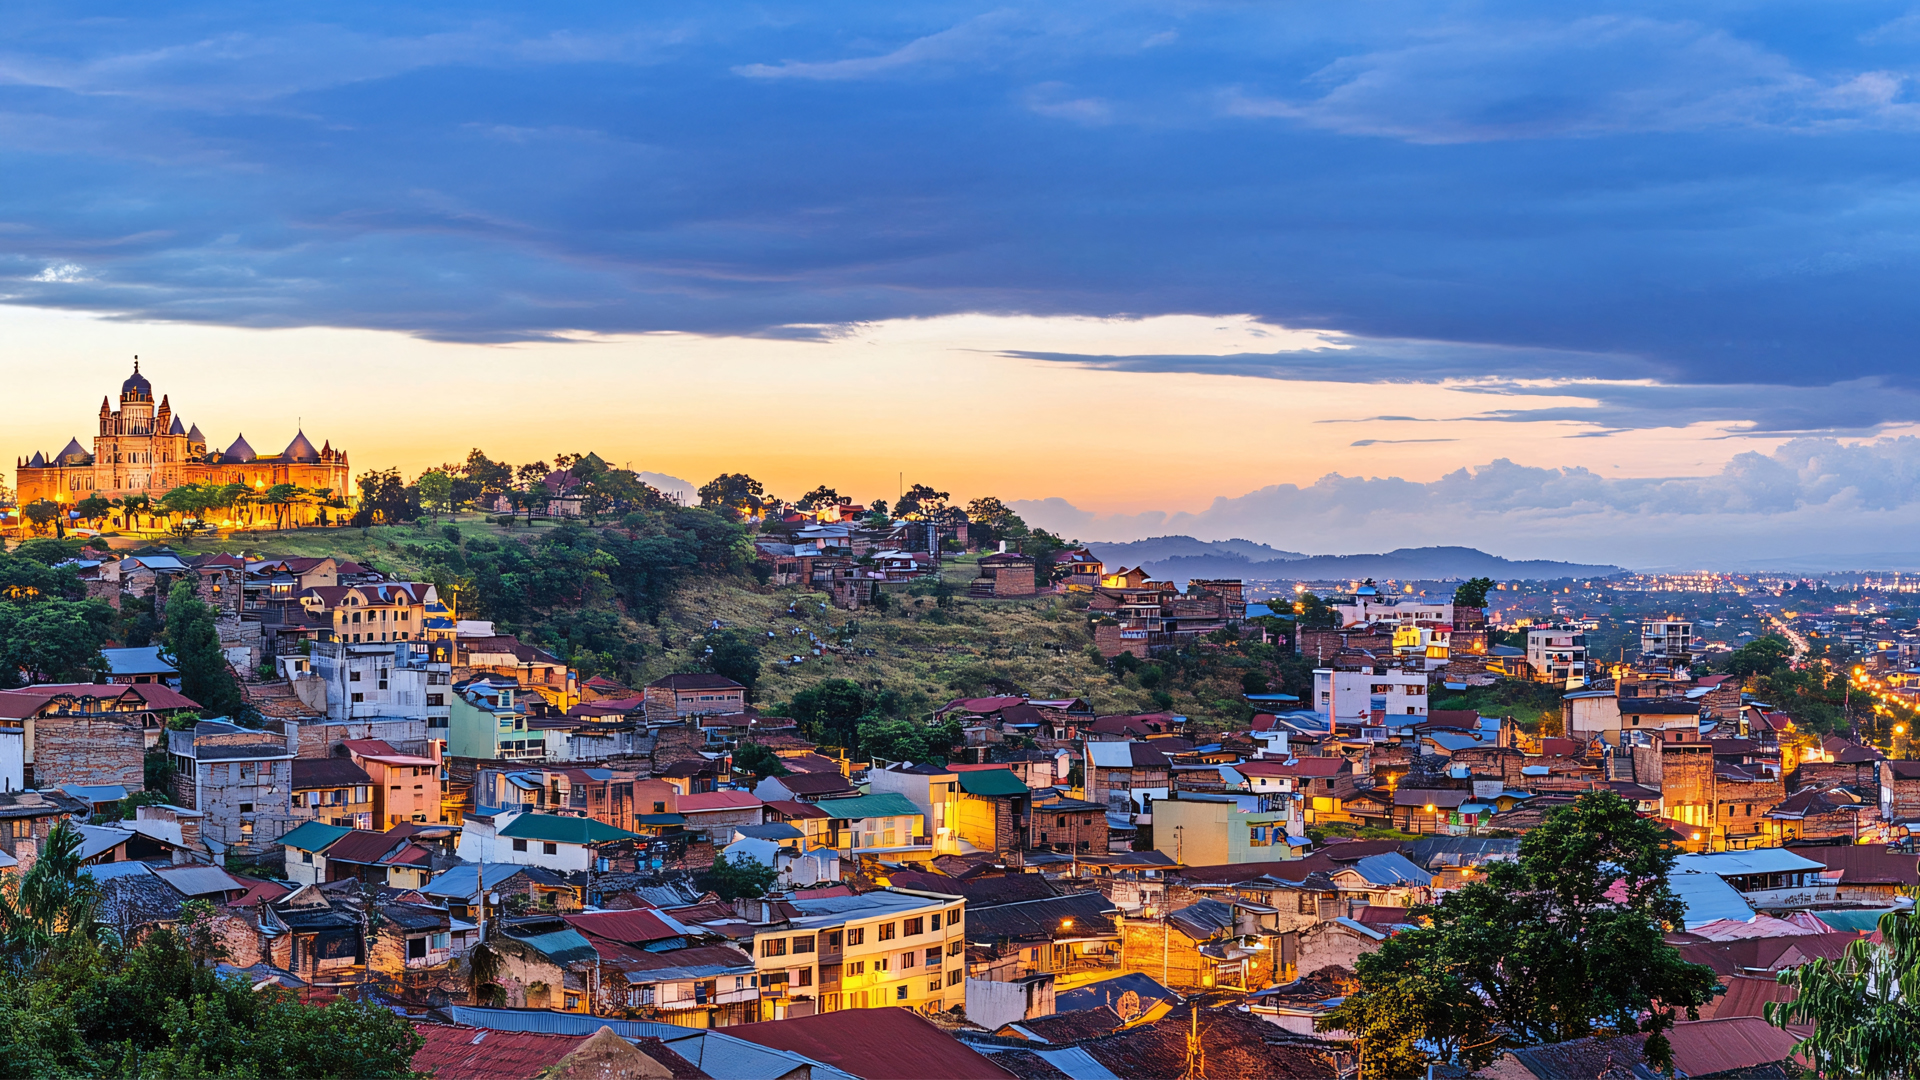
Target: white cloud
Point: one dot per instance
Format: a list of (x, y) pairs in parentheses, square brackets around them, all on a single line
[(64, 273), (1809, 495)]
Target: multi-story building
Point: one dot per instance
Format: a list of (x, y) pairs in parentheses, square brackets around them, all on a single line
[(488, 719), (400, 680), (1670, 640), (406, 787), (882, 949), (1370, 607), (564, 844), (370, 613), (141, 449), (934, 790), (1557, 654), (1347, 697), (332, 791), (241, 779)]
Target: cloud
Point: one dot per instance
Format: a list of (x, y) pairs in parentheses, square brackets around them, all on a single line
[(1808, 495), (1486, 190), (65, 273), (1393, 442), (1584, 77)]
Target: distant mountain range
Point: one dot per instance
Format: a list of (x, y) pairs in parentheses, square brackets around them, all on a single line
[(1180, 558)]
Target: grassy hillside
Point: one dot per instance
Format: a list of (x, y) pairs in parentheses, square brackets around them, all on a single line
[(925, 653)]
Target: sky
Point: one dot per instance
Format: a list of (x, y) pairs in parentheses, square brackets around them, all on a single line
[(1626, 283)]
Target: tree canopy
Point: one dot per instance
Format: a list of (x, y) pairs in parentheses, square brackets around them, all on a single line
[(1563, 942), (1864, 1007), (194, 642), (1473, 592)]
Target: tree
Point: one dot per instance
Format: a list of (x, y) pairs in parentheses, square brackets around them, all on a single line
[(737, 877), (50, 908), (41, 511), (1864, 1008), (736, 495), (436, 492), (277, 498), (900, 739), (734, 657), (831, 710), (989, 521), (384, 500), (820, 498), (1558, 944), (1472, 593), (757, 761), (1765, 656), (194, 644), (1309, 611), (95, 507), (920, 502)]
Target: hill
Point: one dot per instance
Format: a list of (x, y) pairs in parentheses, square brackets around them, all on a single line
[(1161, 548), (1186, 558)]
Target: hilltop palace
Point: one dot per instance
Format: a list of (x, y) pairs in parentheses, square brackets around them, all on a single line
[(146, 450)]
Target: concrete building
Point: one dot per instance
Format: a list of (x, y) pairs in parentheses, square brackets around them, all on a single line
[(1368, 607), (406, 787), (240, 778), (1211, 830), (1670, 640), (565, 844), (934, 790), (1347, 697), (1557, 654), (488, 719), (333, 791), (379, 680), (883, 949)]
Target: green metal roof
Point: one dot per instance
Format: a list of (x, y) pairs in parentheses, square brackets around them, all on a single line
[(992, 782), (560, 946), (661, 819), (314, 836), (889, 804), (554, 829)]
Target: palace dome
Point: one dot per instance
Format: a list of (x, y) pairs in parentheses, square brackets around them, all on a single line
[(74, 454), (136, 387), (239, 451), (300, 451)]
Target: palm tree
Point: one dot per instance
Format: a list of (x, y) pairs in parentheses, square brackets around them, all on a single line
[(49, 908)]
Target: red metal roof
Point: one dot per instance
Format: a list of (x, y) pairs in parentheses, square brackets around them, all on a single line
[(707, 801), (1702, 1047), (634, 927), (484, 1054), (875, 1044)]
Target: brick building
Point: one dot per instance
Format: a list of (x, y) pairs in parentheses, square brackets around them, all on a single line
[(1002, 576), (1060, 823), (1900, 792), (675, 697), (332, 791)]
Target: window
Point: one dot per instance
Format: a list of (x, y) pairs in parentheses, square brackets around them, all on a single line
[(659, 807), (932, 959), (1061, 821), (358, 696), (936, 921), (954, 977), (416, 948), (773, 947), (1309, 904), (439, 941), (573, 1001), (933, 985), (306, 856), (880, 964), (832, 944), (900, 992), (886, 931), (806, 976), (857, 967), (519, 845), (550, 849), (955, 948), (246, 808), (907, 959), (353, 676), (912, 927), (803, 944), (857, 936), (436, 699)]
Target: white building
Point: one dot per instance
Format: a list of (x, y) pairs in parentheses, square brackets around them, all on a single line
[(1671, 638), (1557, 654), (1591, 714), (379, 680), (1347, 696), (13, 758), (934, 791), (527, 839), (1407, 610)]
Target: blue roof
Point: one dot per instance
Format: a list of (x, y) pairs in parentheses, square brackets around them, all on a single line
[(1707, 897), (141, 661), (1108, 992), (314, 836)]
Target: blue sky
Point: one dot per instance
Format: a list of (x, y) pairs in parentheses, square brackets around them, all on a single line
[(1703, 216)]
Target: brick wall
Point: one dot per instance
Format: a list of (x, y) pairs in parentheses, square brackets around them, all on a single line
[(1085, 830), (1824, 773), (1324, 644), (1903, 793), (1110, 643), (107, 749)]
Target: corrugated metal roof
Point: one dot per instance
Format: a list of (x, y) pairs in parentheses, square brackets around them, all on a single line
[(886, 804), (552, 828), (1707, 897), (313, 836), (722, 1057), (990, 782), (200, 880), (1752, 861), (1076, 1063), (1703, 1047)]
